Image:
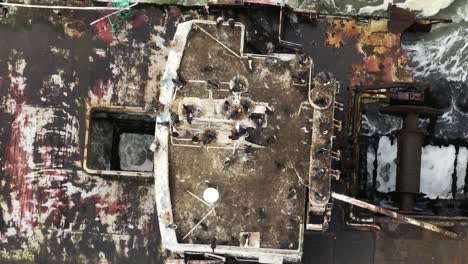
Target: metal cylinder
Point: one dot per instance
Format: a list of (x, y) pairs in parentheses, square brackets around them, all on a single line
[(410, 140)]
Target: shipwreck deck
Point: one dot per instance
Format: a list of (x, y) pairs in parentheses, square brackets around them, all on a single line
[(54, 67), (259, 190)]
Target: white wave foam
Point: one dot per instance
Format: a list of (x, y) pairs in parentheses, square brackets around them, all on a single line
[(426, 8), (462, 14), (446, 55), (386, 165), (372, 9), (133, 152), (421, 6), (462, 160), (349, 9), (370, 163), (437, 167)]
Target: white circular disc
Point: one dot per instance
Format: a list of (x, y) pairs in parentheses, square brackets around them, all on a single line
[(210, 195)]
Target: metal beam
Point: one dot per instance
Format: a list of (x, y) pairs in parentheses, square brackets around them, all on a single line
[(392, 214)]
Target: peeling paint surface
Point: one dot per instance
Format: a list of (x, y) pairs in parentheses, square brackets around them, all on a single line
[(51, 209), (383, 61)]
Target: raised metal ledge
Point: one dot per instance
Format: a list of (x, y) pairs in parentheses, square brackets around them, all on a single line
[(322, 98)]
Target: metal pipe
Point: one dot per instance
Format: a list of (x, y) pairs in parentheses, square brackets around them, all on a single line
[(113, 13), (215, 39), (199, 222), (392, 214), (410, 140), (65, 7), (198, 198)]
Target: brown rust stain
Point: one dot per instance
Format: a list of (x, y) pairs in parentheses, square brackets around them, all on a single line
[(383, 60)]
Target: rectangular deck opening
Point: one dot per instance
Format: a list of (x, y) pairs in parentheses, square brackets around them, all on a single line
[(118, 142)]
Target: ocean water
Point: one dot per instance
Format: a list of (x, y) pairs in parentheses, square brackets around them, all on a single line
[(443, 53)]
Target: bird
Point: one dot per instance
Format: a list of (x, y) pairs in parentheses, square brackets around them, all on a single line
[(251, 65), (227, 162), (237, 133), (213, 244), (226, 105), (164, 123), (213, 84), (292, 193), (219, 21), (179, 81), (261, 214), (188, 109), (208, 137), (235, 84), (175, 118), (231, 22), (268, 110)]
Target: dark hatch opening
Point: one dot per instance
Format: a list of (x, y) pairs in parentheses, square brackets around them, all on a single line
[(120, 141)]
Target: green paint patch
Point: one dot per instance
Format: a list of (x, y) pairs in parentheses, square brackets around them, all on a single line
[(119, 19)]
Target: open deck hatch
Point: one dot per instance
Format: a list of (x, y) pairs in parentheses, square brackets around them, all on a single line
[(118, 142)]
